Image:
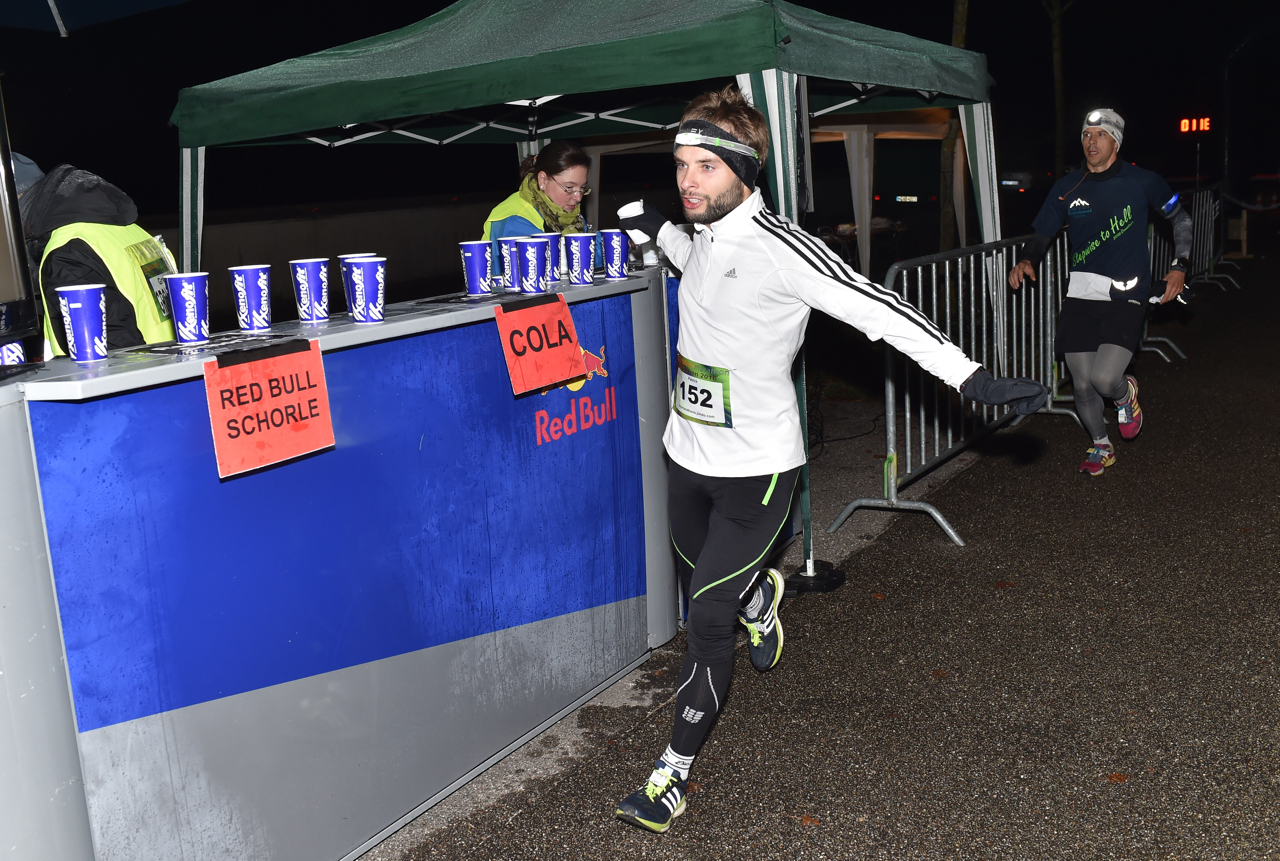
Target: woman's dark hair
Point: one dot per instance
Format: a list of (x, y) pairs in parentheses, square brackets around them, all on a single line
[(554, 158)]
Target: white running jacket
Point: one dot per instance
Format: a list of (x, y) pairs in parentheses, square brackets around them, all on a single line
[(748, 283)]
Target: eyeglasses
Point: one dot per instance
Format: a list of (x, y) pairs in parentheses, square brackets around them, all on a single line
[(584, 191)]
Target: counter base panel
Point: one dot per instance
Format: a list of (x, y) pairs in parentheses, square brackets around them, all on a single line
[(312, 769), (448, 509)]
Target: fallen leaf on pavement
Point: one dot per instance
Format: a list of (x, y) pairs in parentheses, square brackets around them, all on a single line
[(1117, 777)]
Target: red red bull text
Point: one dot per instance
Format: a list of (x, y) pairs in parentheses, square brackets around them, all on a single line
[(582, 415)]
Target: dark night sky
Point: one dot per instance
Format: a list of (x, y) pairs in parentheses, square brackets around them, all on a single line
[(101, 98)]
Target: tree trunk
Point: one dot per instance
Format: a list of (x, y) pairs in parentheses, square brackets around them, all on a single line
[(947, 233), (1056, 9)]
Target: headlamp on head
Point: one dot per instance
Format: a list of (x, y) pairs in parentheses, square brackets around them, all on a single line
[(1107, 120), (698, 139)]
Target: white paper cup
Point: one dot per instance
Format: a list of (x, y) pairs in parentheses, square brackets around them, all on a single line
[(635, 207)]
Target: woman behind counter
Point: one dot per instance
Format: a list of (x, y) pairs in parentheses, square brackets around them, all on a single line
[(552, 186)]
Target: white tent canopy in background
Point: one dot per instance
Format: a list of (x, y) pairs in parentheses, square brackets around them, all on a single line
[(859, 144)]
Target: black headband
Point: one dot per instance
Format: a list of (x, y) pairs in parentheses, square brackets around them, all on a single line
[(741, 159)]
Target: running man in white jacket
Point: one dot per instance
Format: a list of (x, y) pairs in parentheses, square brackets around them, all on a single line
[(749, 280)]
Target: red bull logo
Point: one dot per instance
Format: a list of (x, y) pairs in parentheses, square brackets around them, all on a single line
[(583, 415), (595, 364)]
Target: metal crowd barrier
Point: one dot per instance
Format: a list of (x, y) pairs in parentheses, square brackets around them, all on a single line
[(966, 294), (1056, 272), (1205, 205), (1160, 247)]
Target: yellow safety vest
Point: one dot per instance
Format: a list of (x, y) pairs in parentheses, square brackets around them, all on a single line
[(513, 205), (137, 263)]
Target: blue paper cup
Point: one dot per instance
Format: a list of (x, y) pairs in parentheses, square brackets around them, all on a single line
[(366, 280), (311, 288), (84, 316), (510, 264), (189, 295), (615, 254), (532, 256), (580, 249), (555, 245), (477, 266), (252, 288), (12, 354), (342, 271)]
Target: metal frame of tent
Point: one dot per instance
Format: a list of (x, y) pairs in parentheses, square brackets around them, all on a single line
[(417, 83)]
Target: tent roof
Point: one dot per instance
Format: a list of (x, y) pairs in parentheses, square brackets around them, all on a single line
[(486, 52)]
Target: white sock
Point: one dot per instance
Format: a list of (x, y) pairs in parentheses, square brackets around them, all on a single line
[(1106, 440), (681, 764), (756, 606)]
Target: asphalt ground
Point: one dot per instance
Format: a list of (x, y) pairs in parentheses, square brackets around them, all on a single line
[(1092, 676)]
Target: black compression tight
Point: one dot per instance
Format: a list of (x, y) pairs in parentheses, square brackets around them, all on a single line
[(702, 689), (722, 528)]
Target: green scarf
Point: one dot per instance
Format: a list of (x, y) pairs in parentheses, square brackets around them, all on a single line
[(553, 217)]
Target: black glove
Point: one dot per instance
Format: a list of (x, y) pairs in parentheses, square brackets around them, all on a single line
[(1023, 394), (649, 221)]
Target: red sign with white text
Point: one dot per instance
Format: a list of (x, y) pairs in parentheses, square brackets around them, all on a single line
[(539, 342), (267, 405)]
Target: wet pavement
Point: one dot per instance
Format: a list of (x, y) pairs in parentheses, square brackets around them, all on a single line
[(1093, 676)]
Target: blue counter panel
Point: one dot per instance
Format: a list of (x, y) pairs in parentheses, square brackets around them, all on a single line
[(443, 513)]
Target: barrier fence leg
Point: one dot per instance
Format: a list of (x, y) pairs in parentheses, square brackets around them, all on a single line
[(1160, 340), (890, 502), (1214, 278), (898, 505)]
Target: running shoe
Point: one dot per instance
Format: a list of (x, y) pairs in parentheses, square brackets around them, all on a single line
[(1130, 411), (766, 629), (655, 804), (1098, 458)]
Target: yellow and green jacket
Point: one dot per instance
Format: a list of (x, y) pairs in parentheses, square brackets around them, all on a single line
[(136, 262)]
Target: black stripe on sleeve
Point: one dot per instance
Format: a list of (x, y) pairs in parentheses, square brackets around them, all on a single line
[(869, 289), (838, 269)]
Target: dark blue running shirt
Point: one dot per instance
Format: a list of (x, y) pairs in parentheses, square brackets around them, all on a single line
[(1107, 220)]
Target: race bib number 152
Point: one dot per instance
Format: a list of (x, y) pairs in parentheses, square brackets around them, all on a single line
[(702, 393)]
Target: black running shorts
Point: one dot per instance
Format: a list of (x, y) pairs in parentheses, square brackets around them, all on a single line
[(1085, 324)]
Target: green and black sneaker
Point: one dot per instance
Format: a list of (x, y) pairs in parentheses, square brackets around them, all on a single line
[(766, 629), (659, 801)]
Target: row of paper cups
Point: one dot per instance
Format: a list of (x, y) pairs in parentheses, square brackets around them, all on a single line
[(532, 264), (364, 277)]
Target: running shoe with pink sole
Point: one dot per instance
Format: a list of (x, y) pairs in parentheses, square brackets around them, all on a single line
[(1130, 411), (1098, 458)]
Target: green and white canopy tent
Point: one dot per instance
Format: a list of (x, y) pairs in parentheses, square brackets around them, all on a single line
[(525, 70)]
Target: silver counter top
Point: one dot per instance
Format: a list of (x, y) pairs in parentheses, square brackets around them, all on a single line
[(143, 367)]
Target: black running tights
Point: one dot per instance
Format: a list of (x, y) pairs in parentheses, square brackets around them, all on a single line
[(721, 528)]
